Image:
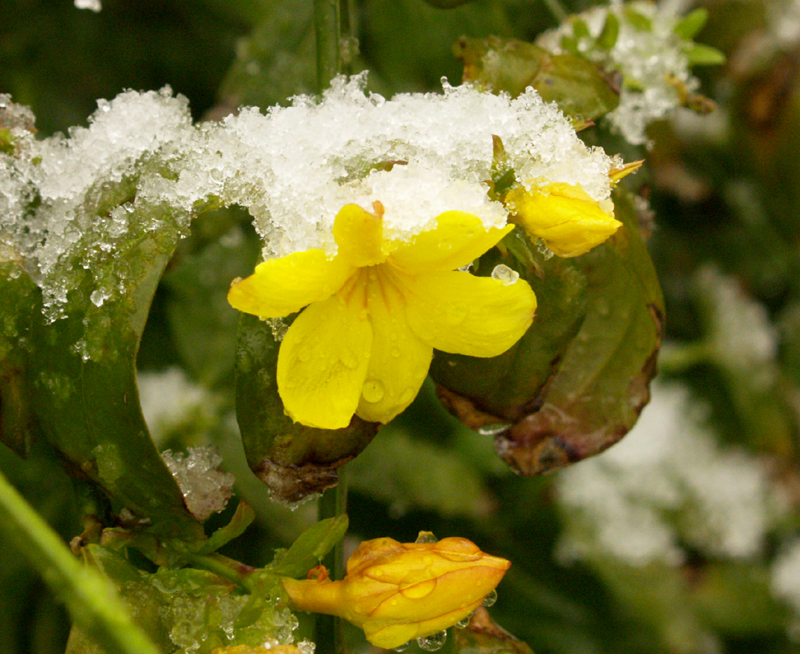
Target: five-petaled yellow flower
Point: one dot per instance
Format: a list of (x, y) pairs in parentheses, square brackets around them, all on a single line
[(377, 309), (400, 591)]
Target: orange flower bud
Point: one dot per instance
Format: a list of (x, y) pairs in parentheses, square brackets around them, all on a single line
[(400, 591)]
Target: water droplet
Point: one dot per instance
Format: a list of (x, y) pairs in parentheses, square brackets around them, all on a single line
[(490, 599), (407, 395), (462, 624), (434, 642), (304, 355), (373, 390), (504, 275), (403, 647), (98, 297), (395, 353), (420, 590), (426, 537), (349, 359)]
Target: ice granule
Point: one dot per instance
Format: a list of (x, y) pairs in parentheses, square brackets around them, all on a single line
[(651, 62), (667, 482), (206, 490)]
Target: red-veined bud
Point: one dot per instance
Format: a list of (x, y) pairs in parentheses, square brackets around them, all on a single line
[(400, 591)]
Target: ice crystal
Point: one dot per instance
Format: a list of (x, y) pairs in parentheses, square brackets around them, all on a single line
[(206, 490), (652, 61), (667, 482)]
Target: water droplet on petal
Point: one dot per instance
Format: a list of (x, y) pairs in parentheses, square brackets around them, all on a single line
[(373, 390), (434, 642), (304, 355), (403, 647), (395, 353), (349, 359), (426, 537), (462, 624), (419, 590), (407, 395), (490, 599), (504, 275)]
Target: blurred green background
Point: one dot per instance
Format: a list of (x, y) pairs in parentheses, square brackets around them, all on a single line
[(725, 221)]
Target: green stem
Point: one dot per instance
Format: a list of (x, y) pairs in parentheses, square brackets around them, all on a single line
[(93, 604), (226, 568), (328, 32), (329, 629)]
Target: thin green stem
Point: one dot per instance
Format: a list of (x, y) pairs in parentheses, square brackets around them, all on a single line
[(329, 629), (327, 25), (226, 568), (92, 602)]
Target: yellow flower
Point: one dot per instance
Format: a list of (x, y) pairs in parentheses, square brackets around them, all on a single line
[(246, 649), (376, 311), (564, 216), (397, 592)]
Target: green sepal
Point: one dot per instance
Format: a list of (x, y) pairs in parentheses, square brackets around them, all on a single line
[(293, 460), (311, 547), (578, 87), (608, 36), (638, 20)]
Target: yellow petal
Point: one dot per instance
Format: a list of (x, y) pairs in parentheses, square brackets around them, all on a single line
[(282, 286), (399, 361), (460, 313), (458, 239), (359, 235), (564, 216), (323, 362)]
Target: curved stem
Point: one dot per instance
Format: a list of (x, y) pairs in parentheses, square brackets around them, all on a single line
[(333, 504), (92, 602)]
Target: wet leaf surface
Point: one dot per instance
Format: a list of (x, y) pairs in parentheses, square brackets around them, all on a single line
[(311, 547), (579, 88), (603, 380)]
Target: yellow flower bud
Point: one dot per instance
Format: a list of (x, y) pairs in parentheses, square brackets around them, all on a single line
[(564, 216), (400, 591)]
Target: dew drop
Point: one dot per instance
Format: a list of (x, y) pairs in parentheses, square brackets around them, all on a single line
[(494, 429), (403, 647), (407, 396), (490, 599), (434, 642), (426, 537), (373, 390), (463, 623), (504, 275), (395, 353), (419, 590), (304, 355), (349, 359)]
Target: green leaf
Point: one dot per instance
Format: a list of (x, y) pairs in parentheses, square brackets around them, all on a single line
[(690, 25), (580, 30), (637, 20), (602, 382), (505, 388), (311, 547), (704, 55), (609, 34), (21, 299), (292, 459), (82, 365), (447, 4), (575, 84)]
